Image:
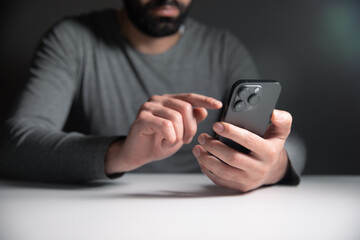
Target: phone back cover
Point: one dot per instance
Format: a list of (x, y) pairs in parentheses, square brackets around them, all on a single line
[(256, 120)]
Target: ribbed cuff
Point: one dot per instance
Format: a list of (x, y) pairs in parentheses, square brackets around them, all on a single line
[(290, 177)]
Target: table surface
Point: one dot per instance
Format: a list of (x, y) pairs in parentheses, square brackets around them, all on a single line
[(180, 206)]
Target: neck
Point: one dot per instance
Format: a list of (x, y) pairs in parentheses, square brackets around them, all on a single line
[(142, 42)]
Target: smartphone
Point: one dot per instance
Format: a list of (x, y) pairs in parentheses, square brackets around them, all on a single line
[(250, 105)]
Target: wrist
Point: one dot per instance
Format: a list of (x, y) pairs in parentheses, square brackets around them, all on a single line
[(279, 171), (284, 163), (114, 162), (290, 177)]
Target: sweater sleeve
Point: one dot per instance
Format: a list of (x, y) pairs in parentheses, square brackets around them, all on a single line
[(242, 66), (33, 144)]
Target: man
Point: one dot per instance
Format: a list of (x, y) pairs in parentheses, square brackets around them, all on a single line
[(116, 91)]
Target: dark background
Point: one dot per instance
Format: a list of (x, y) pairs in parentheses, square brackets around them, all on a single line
[(312, 47)]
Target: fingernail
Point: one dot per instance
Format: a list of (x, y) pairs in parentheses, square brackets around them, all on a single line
[(216, 102), (218, 127), (196, 152), (202, 139)]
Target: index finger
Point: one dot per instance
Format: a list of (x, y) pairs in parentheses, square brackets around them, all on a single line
[(197, 100), (245, 138)]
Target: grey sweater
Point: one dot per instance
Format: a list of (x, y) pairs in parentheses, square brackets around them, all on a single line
[(86, 85)]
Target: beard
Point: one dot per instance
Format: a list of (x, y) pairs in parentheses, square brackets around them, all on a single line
[(140, 15)]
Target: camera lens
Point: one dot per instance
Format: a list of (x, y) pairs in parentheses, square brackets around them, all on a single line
[(239, 106), (244, 93), (254, 99)]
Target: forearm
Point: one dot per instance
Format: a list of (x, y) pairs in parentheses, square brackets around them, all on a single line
[(30, 151)]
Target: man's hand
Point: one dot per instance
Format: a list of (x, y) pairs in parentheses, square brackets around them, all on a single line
[(163, 124), (266, 163)]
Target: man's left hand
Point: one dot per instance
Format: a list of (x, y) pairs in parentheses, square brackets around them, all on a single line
[(265, 164)]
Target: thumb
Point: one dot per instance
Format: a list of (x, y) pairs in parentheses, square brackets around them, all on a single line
[(200, 114), (280, 126)]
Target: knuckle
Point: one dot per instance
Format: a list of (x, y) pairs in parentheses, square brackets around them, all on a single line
[(176, 117), (166, 124), (234, 159), (250, 140), (186, 107), (143, 115), (239, 160), (146, 106), (208, 101), (154, 98), (272, 153), (189, 95)]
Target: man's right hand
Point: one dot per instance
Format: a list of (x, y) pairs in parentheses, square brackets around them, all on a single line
[(163, 124)]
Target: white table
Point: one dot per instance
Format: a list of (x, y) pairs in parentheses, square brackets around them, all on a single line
[(180, 206)]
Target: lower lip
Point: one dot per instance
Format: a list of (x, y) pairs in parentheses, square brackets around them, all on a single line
[(166, 11)]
